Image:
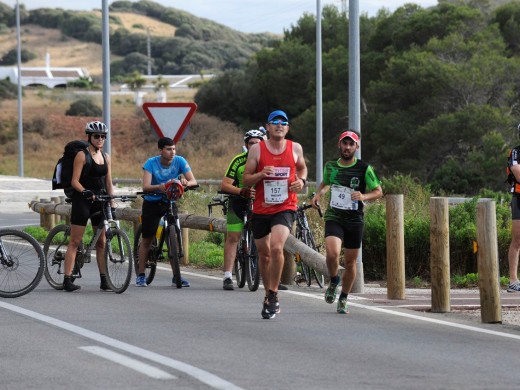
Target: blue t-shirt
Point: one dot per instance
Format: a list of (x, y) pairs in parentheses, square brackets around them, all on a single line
[(161, 174)]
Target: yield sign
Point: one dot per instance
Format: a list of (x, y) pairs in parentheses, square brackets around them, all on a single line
[(169, 119)]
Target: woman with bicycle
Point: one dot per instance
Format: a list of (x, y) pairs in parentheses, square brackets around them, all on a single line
[(88, 180), (232, 183), (157, 172)]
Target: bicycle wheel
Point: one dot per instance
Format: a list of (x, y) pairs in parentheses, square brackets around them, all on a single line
[(308, 239), (239, 266), (150, 265), (118, 260), (23, 268), (54, 250), (173, 254), (251, 263), (304, 268)]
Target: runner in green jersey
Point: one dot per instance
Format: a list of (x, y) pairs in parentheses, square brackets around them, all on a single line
[(350, 181)]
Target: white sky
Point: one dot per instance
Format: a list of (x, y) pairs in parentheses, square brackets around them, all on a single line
[(242, 15)]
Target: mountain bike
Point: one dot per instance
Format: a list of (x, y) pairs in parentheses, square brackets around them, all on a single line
[(169, 233), (21, 263), (305, 273), (246, 259), (118, 250)]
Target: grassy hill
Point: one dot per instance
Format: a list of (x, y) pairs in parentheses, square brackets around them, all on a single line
[(181, 43), (71, 52)]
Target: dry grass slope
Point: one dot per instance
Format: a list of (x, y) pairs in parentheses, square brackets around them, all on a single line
[(209, 146), (69, 52)]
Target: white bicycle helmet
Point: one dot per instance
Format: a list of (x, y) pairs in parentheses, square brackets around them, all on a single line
[(253, 134), (96, 127)]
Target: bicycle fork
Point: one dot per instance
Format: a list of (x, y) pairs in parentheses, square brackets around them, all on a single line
[(6, 260)]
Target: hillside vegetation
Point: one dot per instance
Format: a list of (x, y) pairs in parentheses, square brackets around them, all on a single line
[(209, 145), (181, 43), (440, 90)]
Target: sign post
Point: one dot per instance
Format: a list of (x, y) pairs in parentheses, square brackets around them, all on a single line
[(169, 119)]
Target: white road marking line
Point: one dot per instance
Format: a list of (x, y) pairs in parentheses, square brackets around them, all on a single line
[(133, 364), (195, 372), (389, 311)]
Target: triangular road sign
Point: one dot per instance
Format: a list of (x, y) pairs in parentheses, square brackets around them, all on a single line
[(169, 119)]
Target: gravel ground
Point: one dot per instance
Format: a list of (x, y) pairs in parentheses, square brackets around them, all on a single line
[(510, 315)]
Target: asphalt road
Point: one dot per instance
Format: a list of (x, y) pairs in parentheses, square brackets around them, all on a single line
[(203, 337)]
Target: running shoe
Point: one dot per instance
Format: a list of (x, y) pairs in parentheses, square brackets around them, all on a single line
[(184, 282), (140, 281), (514, 287), (267, 314), (342, 307), (330, 293), (228, 284)]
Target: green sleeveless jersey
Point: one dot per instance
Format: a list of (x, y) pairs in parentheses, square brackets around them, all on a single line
[(358, 176)]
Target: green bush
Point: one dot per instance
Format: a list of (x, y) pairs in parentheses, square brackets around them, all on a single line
[(206, 254), (462, 231), (84, 107)]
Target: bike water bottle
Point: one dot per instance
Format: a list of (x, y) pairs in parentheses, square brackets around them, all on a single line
[(159, 229), (354, 184)]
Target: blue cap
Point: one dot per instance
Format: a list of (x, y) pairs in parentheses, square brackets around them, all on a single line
[(277, 113)]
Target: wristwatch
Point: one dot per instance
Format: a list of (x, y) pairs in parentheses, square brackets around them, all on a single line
[(304, 181)]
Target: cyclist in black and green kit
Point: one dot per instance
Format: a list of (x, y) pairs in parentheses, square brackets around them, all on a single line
[(351, 181), (232, 184)]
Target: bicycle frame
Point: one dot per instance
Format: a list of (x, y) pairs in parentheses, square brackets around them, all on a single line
[(107, 223), (171, 221)]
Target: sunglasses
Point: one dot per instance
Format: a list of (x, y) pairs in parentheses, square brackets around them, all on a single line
[(279, 122), (98, 136)]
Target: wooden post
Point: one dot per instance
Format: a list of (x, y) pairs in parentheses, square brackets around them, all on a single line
[(63, 218), (186, 243), (55, 217), (46, 217), (395, 247), (289, 265), (487, 258), (440, 255)]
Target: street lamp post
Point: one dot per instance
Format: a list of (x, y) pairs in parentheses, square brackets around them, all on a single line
[(106, 73), (19, 70), (354, 107), (319, 108)]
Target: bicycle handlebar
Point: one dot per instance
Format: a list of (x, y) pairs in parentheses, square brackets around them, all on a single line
[(308, 206), (122, 198), (187, 188)]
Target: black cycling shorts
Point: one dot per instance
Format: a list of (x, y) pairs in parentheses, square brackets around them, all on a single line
[(351, 235), (150, 216), (262, 223), (82, 209), (515, 207)]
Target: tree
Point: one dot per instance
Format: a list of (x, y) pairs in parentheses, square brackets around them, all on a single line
[(135, 82), (160, 86)]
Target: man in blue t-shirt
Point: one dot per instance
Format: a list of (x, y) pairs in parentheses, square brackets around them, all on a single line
[(157, 171)]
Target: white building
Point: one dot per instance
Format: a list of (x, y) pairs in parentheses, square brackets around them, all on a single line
[(50, 77)]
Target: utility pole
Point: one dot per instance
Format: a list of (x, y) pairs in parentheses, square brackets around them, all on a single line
[(354, 106), (19, 70), (106, 73), (149, 51), (319, 107)]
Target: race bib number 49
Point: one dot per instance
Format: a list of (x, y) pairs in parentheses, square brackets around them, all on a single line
[(340, 197)]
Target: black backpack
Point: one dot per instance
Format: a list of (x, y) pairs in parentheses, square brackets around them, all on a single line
[(61, 179)]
